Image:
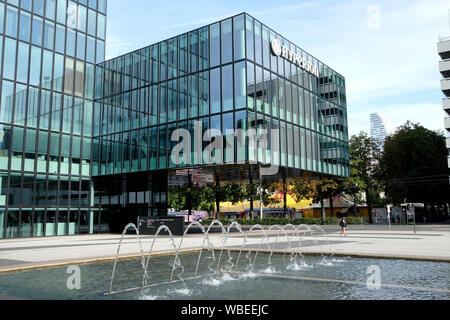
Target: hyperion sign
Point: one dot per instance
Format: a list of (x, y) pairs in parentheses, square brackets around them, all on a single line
[(285, 52)]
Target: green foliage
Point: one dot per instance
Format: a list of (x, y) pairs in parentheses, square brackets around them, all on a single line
[(201, 199), (364, 157), (317, 190), (204, 199), (282, 221), (414, 166)]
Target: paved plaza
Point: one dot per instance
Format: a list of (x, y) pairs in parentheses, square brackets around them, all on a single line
[(430, 243)]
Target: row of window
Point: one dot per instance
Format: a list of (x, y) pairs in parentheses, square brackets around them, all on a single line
[(33, 59), (28, 190), (150, 149), (73, 44), (39, 6), (38, 151), (219, 90), (46, 110), (69, 14), (188, 53), (51, 222)]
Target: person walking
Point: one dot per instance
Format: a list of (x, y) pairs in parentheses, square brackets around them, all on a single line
[(343, 225)]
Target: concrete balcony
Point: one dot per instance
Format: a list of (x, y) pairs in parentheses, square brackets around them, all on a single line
[(447, 123), (446, 105), (445, 86), (444, 68), (444, 48)]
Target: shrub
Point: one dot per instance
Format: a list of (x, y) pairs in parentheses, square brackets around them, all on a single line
[(284, 221)]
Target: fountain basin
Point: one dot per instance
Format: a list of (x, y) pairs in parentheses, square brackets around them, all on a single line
[(332, 278)]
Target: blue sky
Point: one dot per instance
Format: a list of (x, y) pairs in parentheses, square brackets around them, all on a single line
[(386, 50)]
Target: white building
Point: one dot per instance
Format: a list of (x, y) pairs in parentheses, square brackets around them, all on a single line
[(380, 128), (444, 68)]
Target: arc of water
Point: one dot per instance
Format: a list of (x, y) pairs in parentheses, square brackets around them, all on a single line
[(322, 249), (160, 229), (239, 228), (280, 230), (194, 223), (293, 254), (265, 236), (129, 226), (301, 237), (215, 222), (329, 250)]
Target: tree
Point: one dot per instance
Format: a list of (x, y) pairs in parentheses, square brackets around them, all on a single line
[(364, 157), (317, 190), (353, 186), (414, 166), (201, 198)]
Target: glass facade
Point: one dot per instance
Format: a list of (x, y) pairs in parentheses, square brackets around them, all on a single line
[(48, 53), (225, 76), (85, 144)]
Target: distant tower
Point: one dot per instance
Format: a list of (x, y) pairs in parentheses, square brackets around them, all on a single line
[(380, 128)]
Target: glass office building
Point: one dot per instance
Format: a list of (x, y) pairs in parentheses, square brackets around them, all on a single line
[(227, 76), (48, 53), (86, 144)]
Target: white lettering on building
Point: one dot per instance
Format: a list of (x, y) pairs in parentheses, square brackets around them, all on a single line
[(285, 52)]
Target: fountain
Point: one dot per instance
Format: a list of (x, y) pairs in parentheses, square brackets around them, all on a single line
[(294, 236), (262, 263)]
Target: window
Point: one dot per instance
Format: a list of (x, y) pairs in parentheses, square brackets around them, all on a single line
[(227, 44), (81, 46), (92, 23), (61, 11), (49, 35), (193, 51), (44, 120), (60, 42), (239, 37), (70, 44), (215, 45), (251, 85), (82, 21), (39, 7), (227, 88), (58, 72), (33, 105), (36, 37), (47, 69), (25, 26), (22, 67), (258, 40), (50, 9), (266, 47), (204, 93), (69, 76), (10, 59), (11, 21), (249, 36), (215, 90), (35, 66), (101, 31), (20, 105)]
